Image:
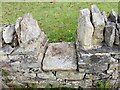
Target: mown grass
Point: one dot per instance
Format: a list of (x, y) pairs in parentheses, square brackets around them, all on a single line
[(57, 20)]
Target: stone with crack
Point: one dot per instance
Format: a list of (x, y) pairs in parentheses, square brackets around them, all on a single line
[(99, 24), (110, 34), (27, 29), (85, 30)]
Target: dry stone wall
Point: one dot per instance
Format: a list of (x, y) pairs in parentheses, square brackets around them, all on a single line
[(27, 57)]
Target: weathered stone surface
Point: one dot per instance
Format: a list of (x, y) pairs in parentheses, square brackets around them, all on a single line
[(70, 75), (113, 68), (22, 77), (8, 32), (60, 56), (110, 34), (117, 56), (92, 77), (29, 30), (113, 16), (46, 76), (68, 65), (31, 67), (115, 75), (117, 37), (14, 58), (118, 27), (99, 24), (6, 50), (18, 28), (3, 59), (91, 62), (105, 16), (85, 30), (35, 48), (25, 63), (98, 63), (44, 45), (25, 58), (15, 66)]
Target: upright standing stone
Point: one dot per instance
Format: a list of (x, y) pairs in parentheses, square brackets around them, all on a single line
[(85, 30), (30, 37), (110, 34), (99, 24), (30, 30), (117, 41), (112, 17)]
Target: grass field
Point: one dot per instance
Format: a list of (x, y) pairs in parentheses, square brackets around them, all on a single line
[(57, 20)]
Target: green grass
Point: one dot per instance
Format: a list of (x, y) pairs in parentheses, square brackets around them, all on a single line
[(58, 20)]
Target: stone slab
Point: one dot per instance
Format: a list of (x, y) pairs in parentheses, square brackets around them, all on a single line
[(60, 56), (70, 75)]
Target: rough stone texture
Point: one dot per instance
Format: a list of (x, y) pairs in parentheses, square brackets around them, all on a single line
[(91, 62), (110, 34), (105, 16), (117, 37), (59, 58), (46, 76), (4, 58), (112, 17), (8, 32), (65, 64), (99, 24), (6, 50), (34, 48), (118, 29), (18, 28), (85, 30), (70, 75), (20, 61), (30, 30)]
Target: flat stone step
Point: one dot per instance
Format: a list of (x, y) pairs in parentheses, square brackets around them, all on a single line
[(60, 56)]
